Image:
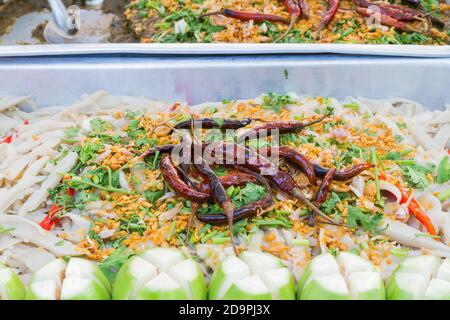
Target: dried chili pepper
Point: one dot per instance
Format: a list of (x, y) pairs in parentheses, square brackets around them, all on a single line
[(343, 175), (385, 19), (209, 123), (245, 211), (282, 127), (219, 194), (322, 193), (295, 11), (295, 157), (333, 5), (247, 16), (180, 187)]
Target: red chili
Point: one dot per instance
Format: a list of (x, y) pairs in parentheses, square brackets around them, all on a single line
[(243, 212), (333, 5), (295, 157), (180, 187), (281, 126), (255, 16), (209, 123), (343, 175), (303, 8), (393, 11), (384, 19), (293, 7), (8, 139), (324, 188), (26, 122), (50, 220)]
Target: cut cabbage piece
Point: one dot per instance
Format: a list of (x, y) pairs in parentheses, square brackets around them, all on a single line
[(422, 277), (348, 276), (252, 276), (78, 279), (160, 273), (11, 287)]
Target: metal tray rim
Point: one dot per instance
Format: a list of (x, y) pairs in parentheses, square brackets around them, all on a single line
[(225, 49)]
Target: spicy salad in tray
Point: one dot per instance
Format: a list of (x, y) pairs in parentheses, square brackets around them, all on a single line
[(284, 196)]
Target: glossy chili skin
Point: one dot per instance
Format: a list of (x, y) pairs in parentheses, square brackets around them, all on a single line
[(295, 157), (303, 8), (342, 175), (209, 123), (282, 127), (333, 5), (255, 16), (324, 188), (243, 212), (167, 148), (293, 7), (393, 11), (177, 184), (259, 164), (232, 179), (384, 19), (218, 192)]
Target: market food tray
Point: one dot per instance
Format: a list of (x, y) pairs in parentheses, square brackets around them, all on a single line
[(225, 49)]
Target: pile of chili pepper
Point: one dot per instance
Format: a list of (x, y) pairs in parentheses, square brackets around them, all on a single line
[(253, 167)]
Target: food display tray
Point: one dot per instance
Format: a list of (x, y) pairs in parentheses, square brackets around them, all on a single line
[(63, 80), (224, 49)]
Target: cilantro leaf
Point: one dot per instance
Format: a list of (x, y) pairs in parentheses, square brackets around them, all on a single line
[(329, 205), (250, 193), (276, 101), (358, 218), (416, 175), (111, 265)]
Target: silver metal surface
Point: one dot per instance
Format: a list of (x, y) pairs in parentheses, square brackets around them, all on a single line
[(194, 80), (225, 49)]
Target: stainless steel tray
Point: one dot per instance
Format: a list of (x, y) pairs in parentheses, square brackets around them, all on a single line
[(194, 80), (225, 49)]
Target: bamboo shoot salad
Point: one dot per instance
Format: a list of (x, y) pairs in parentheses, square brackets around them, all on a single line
[(284, 196)]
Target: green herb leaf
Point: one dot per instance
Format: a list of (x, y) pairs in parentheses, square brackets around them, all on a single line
[(443, 171), (358, 218), (111, 265)]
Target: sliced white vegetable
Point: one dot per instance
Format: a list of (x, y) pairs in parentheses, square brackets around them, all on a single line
[(252, 276), (160, 273), (348, 276), (79, 279), (421, 277), (11, 287), (406, 235)]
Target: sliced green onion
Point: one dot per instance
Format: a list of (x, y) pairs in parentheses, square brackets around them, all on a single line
[(300, 242)]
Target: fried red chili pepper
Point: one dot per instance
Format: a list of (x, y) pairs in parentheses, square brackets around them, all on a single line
[(261, 165), (384, 19), (281, 126), (343, 175), (295, 11), (180, 187), (243, 212), (396, 12), (219, 194), (167, 148), (324, 188), (333, 5), (209, 123), (322, 193), (295, 157), (304, 8), (247, 16)]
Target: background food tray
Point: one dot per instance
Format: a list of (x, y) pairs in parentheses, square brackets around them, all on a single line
[(196, 80), (225, 49)]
